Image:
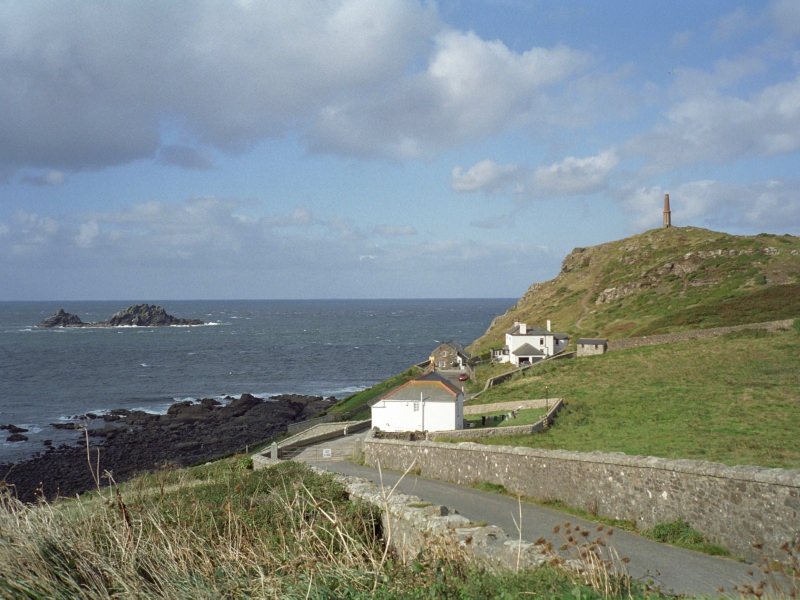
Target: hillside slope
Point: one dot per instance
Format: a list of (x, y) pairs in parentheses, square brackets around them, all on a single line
[(660, 281)]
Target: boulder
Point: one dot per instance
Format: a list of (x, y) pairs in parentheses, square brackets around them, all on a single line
[(10, 428)]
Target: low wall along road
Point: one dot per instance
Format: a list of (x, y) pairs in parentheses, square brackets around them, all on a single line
[(734, 506)]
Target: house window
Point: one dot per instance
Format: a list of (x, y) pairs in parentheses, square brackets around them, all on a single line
[(541, 341), (416, 406)]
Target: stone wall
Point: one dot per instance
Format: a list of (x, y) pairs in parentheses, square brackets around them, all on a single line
[(411, 526), (682, 336), (480, 409), (733, 506), (470, 434)]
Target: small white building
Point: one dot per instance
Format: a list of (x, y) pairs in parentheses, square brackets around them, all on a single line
[(427, 403), (527, 345)]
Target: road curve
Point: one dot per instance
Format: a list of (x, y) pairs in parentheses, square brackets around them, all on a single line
[(673, 570)]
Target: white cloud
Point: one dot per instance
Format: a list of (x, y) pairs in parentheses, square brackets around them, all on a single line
[(161, 250), (50, 177), (471, 88), (394, 230), (786, 17), (184, 156), (485, 175), (90, 84), (761, 206), (87, 234), (715, 128), (299, 217), (574, 175)]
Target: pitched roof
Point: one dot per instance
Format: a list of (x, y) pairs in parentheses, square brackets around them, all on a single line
[(455, 346), (431, 386), (592, 341), (527, 350), (536, 331)]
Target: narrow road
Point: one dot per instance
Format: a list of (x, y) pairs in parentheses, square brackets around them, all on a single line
[(674, 570)]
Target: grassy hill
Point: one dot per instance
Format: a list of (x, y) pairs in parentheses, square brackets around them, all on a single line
[(661, 281), (732, 399)]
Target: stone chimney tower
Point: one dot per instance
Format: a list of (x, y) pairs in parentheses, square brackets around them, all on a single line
[(667, 212)]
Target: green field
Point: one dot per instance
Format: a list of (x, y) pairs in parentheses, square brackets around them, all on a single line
[(733, 399)]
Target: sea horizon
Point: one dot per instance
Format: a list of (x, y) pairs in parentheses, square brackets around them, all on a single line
[(330, 347)]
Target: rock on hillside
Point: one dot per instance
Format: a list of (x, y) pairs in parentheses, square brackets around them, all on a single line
[(661, 281)]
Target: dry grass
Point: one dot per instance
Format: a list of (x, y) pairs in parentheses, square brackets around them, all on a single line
[(259, 538)]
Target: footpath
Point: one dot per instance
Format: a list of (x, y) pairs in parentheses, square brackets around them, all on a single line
[(673, 570)]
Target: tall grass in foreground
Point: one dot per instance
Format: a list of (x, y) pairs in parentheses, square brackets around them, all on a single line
[(223, 531)]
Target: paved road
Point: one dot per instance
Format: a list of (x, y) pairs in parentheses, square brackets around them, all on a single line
[(675, 570)]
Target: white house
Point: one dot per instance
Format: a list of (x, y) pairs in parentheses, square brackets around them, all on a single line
[(526, 345), (427, 403)]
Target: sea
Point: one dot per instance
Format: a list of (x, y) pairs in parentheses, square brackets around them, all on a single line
[(263, 347)]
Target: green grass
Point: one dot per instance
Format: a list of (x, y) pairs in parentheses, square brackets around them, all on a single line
[(357, 405), (224, 531), (731, 399), (680, 533), (525, 416), (666, 280), (770, 304)]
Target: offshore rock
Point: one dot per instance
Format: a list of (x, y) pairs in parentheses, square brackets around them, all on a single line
[(136, 315), (62, 319), (147, 315)]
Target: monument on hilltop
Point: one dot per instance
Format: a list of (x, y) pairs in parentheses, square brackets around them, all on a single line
[(667, 212)]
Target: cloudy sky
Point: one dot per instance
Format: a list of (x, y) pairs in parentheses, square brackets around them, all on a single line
[(378, 148)]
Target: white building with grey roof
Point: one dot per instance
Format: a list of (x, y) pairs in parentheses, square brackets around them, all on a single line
[(527, 345), (427, 403)]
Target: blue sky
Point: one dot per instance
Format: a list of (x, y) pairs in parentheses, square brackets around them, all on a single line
[(378, 149)]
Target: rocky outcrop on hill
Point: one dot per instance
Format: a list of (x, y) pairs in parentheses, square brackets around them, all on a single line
[(136, 315), (661, 281)]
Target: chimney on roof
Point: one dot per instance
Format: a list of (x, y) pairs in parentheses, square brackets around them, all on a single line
[(523, 329), (548, 324), (667, 212)]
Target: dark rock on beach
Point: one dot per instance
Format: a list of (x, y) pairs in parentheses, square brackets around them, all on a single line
[(136, 315), (190, 433), (11, 428)]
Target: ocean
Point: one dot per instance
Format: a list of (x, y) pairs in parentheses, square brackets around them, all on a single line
[(264, 347)]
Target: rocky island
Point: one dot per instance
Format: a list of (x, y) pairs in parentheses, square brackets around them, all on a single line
[(136, 315)]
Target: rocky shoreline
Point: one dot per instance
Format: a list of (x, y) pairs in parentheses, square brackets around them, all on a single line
[(129, 442)]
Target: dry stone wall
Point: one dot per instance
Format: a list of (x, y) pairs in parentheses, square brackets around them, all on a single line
[(733, 506), (669, 338)]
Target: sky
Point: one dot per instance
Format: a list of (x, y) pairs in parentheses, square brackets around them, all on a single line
[(251, 149)]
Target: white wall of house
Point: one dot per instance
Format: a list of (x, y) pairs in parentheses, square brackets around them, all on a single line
[(418, 415), (545, 342)]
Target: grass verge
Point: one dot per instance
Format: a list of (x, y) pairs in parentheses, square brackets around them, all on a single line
[(731, 399), (224, 531)]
